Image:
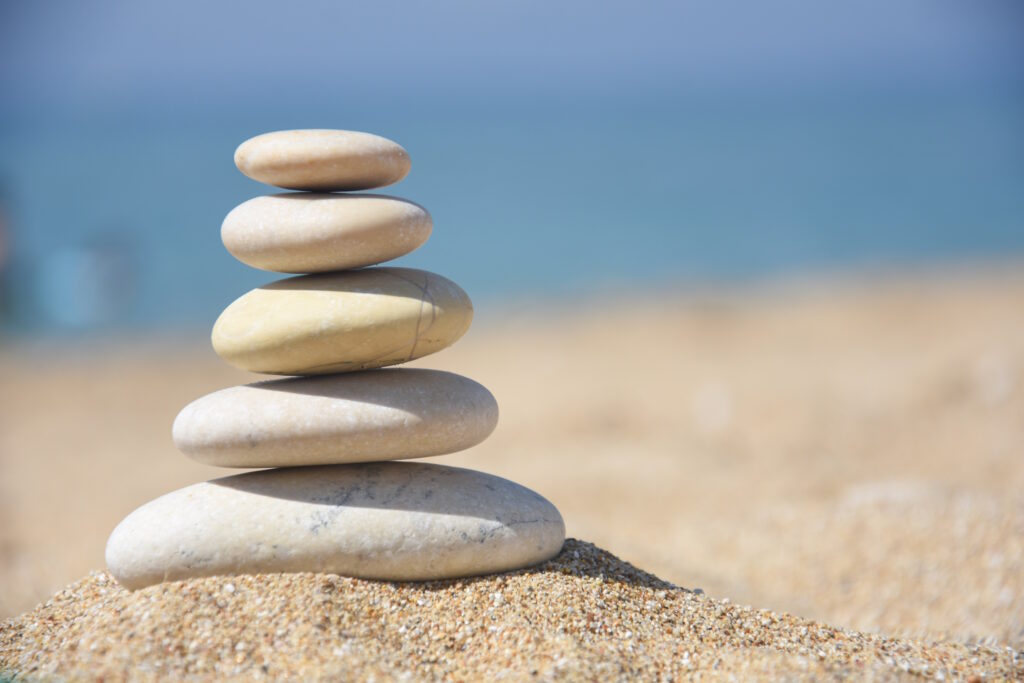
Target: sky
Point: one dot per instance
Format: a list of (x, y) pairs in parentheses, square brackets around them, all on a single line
[(64, 56)]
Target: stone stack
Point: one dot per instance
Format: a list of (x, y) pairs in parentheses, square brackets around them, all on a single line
[(335, 502)]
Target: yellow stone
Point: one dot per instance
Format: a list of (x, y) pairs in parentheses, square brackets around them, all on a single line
[(340, 322)]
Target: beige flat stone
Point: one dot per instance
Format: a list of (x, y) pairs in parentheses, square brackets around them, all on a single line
[(397, 521), (322, 160), (355, 417), (339, 322), (301, 232)]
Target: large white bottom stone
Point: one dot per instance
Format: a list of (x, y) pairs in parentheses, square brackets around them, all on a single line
[(397, 521)]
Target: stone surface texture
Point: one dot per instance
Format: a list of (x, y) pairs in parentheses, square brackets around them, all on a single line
[(301, 232), (322, 160), (353, 417), (393, 521), (340, 322)]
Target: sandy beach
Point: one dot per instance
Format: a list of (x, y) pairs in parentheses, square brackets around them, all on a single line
[(585, 615), (846, 450)]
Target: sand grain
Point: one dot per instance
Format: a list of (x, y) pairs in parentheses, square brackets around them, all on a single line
[(583, 615)]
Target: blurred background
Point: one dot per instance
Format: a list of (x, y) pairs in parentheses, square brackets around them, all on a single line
[(561, 147), (747, 275)]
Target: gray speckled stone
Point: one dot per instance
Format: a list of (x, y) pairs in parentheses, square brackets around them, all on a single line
[(394, 521), (355, 417)]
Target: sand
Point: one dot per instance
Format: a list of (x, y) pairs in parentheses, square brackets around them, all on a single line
[(848, 450), (586, 615)]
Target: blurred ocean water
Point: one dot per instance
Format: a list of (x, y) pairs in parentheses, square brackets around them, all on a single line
[(115, 223)]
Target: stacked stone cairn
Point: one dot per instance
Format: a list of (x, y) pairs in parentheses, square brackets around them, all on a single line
[(335, 501)]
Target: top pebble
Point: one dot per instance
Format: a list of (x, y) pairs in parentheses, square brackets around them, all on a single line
[(322, 160)]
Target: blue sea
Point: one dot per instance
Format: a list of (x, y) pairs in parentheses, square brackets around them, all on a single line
[(112, 221)]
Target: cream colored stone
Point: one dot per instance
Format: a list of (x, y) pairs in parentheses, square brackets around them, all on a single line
[(398, 521), (322, 160), (339, 322), (300, 232), (356, 417)]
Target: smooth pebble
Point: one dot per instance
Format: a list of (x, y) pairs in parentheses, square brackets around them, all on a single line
[(322, 160), (303, 232), (339, 322), (397, 521), (355, 417)]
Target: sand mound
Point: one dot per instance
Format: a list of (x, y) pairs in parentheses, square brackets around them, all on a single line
[(585, 614)]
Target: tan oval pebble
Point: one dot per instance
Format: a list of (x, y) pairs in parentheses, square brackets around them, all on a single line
[(312, 233), (322, 160), (356, 417), (339, 322), (397, 521)]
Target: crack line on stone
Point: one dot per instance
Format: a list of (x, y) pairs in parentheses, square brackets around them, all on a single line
[(424, 296)]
